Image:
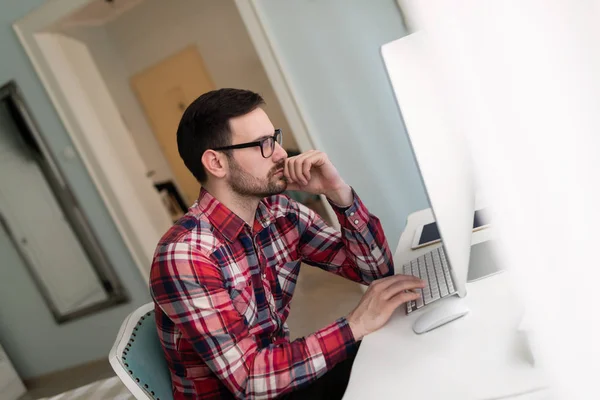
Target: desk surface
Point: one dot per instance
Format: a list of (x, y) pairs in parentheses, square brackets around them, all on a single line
[(480, 356)]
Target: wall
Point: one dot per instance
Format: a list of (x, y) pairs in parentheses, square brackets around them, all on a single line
[(89, 53), (330, 51), (33, 341), (116, 77), (155, 30)]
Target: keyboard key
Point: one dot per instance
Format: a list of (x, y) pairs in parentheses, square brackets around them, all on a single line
[(436, 258), (444, 291), (426, 292), (430, 274), (420, 302), (428, 259), (428, 300), (441, 282), (451, 288)]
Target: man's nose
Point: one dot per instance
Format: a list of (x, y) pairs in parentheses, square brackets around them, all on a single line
[(279, 153)]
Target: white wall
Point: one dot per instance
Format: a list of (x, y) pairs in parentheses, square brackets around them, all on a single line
[(129, 167), (116, 76), (330, 51), (157, 29)]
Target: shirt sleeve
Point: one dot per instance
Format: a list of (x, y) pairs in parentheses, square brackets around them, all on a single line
[(359, 251), (188, 286)]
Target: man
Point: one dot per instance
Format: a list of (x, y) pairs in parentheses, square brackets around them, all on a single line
[(223, 276)]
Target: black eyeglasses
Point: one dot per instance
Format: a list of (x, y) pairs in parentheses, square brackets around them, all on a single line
[(267, 145)]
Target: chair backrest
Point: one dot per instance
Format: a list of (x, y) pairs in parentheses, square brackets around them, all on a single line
[(138, 359)]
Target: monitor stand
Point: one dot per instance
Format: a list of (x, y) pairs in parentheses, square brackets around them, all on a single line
[(482, 262)]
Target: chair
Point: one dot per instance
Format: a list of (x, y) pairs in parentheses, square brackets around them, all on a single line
[(138, 359)]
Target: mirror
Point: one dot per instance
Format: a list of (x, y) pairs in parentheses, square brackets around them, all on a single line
[(43, 222)]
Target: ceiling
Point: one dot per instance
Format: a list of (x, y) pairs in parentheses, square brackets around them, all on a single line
[(98, 12)]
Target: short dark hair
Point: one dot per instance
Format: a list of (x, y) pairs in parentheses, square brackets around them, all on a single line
[(205, 124)]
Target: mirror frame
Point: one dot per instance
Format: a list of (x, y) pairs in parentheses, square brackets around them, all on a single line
[(30, 135)]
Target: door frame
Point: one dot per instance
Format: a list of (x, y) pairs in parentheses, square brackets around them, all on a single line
[(34, 33)]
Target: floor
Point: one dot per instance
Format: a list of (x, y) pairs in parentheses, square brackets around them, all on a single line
[(320, 299), (69, 379)]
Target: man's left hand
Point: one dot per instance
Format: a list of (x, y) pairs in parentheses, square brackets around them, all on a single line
[(313, 172)]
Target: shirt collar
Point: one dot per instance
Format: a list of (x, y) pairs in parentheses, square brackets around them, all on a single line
[(228, 223)]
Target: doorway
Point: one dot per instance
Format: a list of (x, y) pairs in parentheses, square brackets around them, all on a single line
[(126, 190), (164, 91), (164, 66)]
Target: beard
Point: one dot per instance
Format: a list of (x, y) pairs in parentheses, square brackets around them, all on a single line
[(244, 184)]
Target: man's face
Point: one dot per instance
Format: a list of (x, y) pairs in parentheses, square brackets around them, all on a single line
[(250, 174)]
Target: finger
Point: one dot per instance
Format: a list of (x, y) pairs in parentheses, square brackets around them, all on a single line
[(298, 166), (384, 284), (399, 299), (314, 159), (407, 277), (409, 286), (289, 170), (306, 167)]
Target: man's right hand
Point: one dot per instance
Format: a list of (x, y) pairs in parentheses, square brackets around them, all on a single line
[(379, 302)]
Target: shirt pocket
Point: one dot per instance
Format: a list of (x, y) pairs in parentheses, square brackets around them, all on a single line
[(242, 296)]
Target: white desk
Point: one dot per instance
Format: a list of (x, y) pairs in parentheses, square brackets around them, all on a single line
[(480, 356)]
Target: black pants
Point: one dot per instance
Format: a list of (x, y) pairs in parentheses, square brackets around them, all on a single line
[(332, 385)]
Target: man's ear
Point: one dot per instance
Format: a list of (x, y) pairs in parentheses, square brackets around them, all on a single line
[(214, 163)]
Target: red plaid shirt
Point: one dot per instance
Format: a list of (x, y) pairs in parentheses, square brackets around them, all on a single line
[(222, 291)]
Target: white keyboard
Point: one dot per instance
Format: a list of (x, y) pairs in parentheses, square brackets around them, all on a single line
[(433, 268)]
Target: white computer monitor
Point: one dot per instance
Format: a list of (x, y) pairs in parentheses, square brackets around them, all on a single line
[(440, 151)]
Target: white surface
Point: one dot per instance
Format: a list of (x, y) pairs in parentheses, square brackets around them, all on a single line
[(441, 153), (478, 356)]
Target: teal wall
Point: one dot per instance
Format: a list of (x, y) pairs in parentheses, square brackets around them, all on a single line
[(33, 341), (331, 50)]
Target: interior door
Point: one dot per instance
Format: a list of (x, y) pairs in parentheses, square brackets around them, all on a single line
[(165, 90)]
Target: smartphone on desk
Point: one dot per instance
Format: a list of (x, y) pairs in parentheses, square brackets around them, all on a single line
[(428, 234)]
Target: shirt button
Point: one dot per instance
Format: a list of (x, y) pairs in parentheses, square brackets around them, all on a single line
[(352, 213), (355, 222), (264, 276)]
